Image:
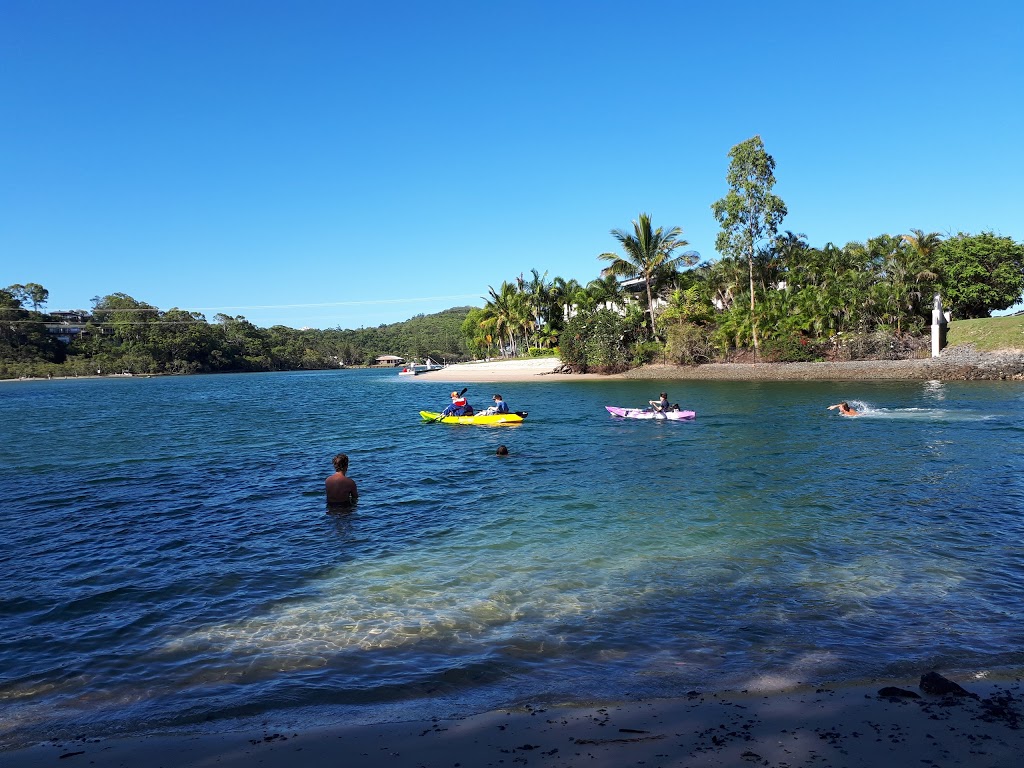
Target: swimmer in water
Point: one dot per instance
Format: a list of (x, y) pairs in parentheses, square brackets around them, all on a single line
[(844, 408)]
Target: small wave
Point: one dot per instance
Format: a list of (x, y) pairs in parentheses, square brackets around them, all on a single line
[(866, 410)]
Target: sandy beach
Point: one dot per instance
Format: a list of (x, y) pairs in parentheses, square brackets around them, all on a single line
[(838, 727), (955, 363)]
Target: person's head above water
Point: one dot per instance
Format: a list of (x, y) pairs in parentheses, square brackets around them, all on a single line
[(496, 397), (340, 462), (502, 451)]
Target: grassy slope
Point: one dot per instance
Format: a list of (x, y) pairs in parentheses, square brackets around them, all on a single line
[(988, 333)]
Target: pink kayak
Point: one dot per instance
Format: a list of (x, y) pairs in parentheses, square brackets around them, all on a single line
[(647, 413)]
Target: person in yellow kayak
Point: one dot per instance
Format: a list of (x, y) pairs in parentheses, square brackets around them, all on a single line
[(500, 406), (459, 406)]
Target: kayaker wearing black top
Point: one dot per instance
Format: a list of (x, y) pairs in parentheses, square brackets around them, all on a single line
[(660, 406)]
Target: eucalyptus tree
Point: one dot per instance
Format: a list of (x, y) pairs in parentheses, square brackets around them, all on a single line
[(649, 254), (750, 212)]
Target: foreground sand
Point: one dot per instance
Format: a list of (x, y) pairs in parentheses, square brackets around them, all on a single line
[(851, 726)]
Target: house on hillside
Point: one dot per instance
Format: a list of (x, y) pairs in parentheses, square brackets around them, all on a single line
[(390, 361), (67, 325)]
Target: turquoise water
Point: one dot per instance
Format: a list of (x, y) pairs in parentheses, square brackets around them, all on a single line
[(169, 563)]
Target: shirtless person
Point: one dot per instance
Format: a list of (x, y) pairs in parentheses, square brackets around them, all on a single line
[(341, 489), (844, 409)]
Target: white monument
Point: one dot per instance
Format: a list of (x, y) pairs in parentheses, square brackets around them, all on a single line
[(939, 326)]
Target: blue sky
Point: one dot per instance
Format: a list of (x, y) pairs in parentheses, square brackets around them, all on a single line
[(342, 164)]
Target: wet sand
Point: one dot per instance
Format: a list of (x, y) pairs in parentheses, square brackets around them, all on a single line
[(817, 726)]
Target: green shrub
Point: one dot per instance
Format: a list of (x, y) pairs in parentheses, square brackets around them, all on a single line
[(592, 342), (791, 349), (648, 352), (689, 344)]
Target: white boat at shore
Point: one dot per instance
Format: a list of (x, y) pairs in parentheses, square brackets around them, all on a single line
[(414, 369)]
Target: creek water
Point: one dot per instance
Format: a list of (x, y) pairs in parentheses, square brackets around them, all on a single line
[(168, 561)]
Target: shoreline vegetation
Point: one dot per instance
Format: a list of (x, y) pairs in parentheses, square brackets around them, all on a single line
[(959, 363), (933, 720)]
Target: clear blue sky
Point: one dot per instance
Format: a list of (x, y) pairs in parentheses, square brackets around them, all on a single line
[(324, 164)]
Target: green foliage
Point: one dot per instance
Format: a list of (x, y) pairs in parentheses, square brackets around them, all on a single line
[(789, 349), (541, 352), (127, 335), (648, 352), (883, 343), (689, 344), (749, 212), (592, 342), (980, 273), (650, 255)]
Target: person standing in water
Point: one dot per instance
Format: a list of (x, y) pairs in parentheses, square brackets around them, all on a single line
[(341, 489), (844, 409)]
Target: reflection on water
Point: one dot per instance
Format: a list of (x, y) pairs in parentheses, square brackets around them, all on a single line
[(193, 574)]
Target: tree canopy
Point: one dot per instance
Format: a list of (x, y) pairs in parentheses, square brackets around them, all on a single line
[(980, 273)]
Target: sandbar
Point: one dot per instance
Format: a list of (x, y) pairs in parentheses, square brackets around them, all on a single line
[(954, 364)]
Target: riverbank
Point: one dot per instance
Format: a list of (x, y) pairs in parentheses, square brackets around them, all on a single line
[(960, 363), (862, 725)]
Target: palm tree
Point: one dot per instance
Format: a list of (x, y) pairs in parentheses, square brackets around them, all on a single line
[(506, 313), (649, 252), (539, 293), (924, 245)]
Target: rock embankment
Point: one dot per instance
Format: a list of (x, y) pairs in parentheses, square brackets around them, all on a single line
[(960, 363)]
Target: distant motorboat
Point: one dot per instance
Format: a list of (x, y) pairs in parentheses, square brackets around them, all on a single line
[(414, 369)]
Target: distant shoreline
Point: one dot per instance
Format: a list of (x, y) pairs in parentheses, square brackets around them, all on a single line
[(962, 363)]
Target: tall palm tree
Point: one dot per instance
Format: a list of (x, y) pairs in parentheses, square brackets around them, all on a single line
[(648, 253), (924, 245), (506, 313), (539, 293)]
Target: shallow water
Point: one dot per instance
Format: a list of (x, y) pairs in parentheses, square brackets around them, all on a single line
[(168, 561)]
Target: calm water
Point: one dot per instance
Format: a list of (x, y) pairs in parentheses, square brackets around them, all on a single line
[(168, 562)]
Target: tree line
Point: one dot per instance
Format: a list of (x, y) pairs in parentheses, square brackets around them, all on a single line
[(123, 334), (770, 296)]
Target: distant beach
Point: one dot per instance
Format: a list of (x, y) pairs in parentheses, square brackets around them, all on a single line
[(955, 364)]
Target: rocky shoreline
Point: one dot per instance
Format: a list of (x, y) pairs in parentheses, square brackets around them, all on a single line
[(960, 363)]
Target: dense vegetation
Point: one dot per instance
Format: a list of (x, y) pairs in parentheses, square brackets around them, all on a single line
[(771, 296), (122, 334)]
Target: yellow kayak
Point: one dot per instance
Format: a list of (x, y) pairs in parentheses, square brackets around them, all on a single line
[(496, 419)]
